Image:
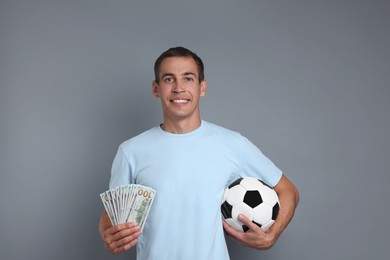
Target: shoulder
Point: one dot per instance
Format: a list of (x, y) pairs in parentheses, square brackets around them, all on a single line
[(221, 131), (228, 137), (141, 139)]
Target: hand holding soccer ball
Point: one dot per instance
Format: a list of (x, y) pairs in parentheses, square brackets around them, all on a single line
[(252, 198)]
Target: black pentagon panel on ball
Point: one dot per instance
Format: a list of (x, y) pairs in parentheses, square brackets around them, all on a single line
[(253, 198), (256, 224), (275, 211), (226, 209), (245, 228), (236, 182)]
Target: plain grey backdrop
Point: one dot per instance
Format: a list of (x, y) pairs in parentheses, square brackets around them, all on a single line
[(306, 81)]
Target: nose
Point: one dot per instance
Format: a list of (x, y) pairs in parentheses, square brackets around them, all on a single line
[(178, 87)]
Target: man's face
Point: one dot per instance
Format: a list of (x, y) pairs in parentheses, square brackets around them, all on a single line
[(179, 89)]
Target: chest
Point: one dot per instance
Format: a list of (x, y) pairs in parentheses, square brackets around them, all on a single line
[(190, 166)]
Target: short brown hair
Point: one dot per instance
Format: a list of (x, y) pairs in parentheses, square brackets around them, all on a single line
[(178, 52)]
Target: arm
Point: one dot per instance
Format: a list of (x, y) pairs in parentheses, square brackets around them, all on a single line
[(119, 238), (257, 238)]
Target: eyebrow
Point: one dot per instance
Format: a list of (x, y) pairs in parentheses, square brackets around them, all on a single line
[(184, 74), (190, 73)]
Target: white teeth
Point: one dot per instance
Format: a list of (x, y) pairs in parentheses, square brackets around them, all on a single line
[(179, 101)]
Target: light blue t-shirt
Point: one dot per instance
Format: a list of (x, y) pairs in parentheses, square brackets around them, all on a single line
[(189, 172)]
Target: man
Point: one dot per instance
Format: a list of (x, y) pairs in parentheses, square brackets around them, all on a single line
[(189, 162)]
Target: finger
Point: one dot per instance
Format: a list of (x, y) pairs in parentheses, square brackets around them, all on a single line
[(117, 228), (120, 235), (125, 247), (128, 231), (227, 227), (244, 219), (231, 232), (124, 243)]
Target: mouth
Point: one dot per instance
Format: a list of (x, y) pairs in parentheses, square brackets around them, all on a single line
[(179, 101)]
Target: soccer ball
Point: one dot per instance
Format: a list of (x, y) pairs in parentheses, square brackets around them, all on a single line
[(252, 198)]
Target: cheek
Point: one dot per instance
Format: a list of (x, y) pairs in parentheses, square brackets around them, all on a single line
[(163, 92)]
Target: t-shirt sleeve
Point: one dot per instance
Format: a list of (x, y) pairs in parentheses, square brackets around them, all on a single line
[(255, 164), (120, 170)]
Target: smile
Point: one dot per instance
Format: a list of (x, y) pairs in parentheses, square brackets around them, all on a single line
[(179, 100)]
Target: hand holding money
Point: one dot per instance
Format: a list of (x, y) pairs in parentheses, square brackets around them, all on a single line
[(127, 208), (120, 238), (128, 203)]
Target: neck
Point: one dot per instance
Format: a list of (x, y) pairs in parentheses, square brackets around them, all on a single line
[(180, 127)]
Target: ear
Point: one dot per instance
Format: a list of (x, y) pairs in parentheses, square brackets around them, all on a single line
[(155, 89), (203, 88)]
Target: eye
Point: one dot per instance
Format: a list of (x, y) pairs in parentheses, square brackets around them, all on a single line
[(189, 79), (168, 80)]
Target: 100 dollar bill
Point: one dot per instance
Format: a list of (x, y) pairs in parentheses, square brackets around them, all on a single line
[(128, 203), (141, 205)]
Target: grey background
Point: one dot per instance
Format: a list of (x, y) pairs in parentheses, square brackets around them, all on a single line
[(306, 81)]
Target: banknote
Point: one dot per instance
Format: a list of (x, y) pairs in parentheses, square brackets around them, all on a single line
[(107, 205), (128, 203), (141, 202)]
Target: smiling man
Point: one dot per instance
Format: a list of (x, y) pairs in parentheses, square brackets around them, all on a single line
[(189, 162), (179, 87)]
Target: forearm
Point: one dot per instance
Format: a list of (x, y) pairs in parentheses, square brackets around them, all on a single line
[(288, 198)]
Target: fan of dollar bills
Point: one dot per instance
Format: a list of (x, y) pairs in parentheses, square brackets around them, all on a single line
[(128, 203)]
